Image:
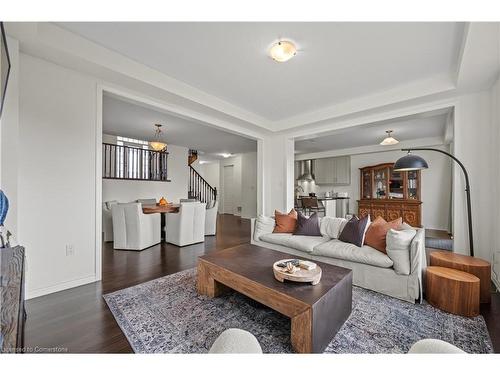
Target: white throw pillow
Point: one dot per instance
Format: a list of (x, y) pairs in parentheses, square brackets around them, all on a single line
[(368, 223), (332, 226), (398, 249), (263, 225)]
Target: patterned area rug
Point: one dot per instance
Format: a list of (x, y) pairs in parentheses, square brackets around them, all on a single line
[(167, 315)]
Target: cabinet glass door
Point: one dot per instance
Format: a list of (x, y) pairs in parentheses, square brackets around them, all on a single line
[(367, 184), (396, 185), (380, 183), (413, 185)]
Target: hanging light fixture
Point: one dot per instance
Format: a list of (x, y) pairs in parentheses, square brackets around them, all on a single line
[(282, 51), (389, 140), (157, 144)]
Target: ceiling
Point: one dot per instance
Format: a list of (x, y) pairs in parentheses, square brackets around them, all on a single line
[(134, 120), (336, 62), (427, 125)]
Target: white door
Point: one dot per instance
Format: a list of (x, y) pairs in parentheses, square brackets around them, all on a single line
[(228, 197)]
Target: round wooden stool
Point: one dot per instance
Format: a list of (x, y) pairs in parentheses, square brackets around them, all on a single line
[(451, 290), (476, 266)]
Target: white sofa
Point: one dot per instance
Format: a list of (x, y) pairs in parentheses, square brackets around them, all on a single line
[(371, 268), (187, 226), (211, 220), (132, 229)]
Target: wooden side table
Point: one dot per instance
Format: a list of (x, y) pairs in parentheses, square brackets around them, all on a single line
[(454, 291), (475, 266)]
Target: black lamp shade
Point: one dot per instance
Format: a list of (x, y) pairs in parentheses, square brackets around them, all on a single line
[(410, 162)]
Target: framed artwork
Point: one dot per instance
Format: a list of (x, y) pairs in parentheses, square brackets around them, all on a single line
[(4, 67)]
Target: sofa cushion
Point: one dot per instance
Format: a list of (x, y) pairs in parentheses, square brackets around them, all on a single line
[(307, 226), (354, 230), (347, 251), (376, 233), (263, 225), (398, 249), (276, 238), (306, 243), (332, 226), (285, 223)]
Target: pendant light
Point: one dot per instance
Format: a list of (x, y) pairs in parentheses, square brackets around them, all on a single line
[(157, 144), (389, 140)]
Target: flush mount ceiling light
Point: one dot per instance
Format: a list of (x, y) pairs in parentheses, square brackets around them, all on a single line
[(157, 144), (389, 140), (225, 155), (282, 51)]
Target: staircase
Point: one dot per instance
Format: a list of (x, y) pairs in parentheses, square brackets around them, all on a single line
[(199, 188)]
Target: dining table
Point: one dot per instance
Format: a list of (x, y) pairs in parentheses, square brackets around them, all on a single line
[(162, 209)]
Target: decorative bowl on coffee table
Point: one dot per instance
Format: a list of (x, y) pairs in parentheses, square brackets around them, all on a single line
[(301, 275)]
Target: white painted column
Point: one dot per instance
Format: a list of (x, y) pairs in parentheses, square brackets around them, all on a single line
[(275, 177), (473, 147)]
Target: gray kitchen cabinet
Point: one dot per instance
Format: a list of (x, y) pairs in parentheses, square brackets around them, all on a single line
[(333, 171)]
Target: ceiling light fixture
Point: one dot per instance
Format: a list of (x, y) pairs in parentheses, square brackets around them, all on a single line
[(282, 51), (225, 155), (157, 144), (389, 140)]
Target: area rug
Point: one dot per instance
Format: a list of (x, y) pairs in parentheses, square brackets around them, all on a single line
[(167, 315)]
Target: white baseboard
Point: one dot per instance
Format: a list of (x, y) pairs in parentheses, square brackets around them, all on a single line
[(59, 287)]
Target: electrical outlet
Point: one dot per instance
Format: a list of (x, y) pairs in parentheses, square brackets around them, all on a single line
[(70, 250)]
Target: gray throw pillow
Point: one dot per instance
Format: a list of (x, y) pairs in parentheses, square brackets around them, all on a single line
[(398, 249), (307, 226)]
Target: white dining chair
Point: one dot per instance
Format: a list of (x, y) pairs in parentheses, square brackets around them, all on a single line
[(187, 226), (134, 230)]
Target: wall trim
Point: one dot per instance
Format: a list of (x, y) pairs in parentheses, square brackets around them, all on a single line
[(60, 287)]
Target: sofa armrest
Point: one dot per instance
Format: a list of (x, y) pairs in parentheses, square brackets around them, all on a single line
[(418, 260)]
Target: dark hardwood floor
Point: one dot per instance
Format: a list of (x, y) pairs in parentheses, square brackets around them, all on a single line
[(78, 320)]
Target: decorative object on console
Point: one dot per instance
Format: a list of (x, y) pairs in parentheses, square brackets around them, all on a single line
[(163, 201), (390, 194), (354, 230), (377, 232), (412, 162), (307, 226), (285, 223)]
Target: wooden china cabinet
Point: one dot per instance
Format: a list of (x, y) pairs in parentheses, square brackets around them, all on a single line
[(390, 194)]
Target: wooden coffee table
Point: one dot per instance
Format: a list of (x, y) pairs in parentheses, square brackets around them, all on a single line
[(317, 311)]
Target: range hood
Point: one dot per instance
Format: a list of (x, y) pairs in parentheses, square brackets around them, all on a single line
[(306, 170)]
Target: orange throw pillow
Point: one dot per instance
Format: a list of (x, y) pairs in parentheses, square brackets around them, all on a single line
[(376, 234), (285, 223)]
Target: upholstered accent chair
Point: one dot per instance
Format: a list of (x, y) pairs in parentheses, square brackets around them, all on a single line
[(107, 221), (134, 230), (211, 219), (187, 226)]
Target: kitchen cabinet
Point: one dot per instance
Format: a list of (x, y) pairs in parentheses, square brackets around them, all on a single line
[(333, 171)]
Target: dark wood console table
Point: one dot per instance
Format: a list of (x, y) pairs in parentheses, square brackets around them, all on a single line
[(12, 311)]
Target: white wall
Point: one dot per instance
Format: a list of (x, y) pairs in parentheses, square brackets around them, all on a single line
[(473, 145), (128, 191), (436, 184), (245, 184), (9, 139), (495, 157), (249, 185), (56, 187)]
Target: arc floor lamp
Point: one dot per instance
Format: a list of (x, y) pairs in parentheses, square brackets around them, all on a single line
[(411, 162)]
